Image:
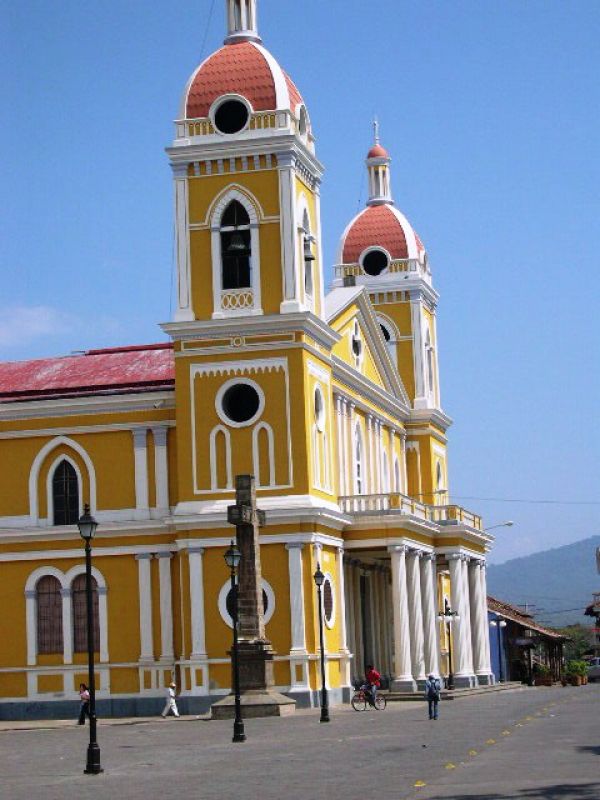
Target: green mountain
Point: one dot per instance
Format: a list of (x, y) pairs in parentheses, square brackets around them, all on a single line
[(558, 582)]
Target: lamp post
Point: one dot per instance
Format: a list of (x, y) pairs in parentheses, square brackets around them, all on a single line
[(87, 528), (319, 581), (232, 559), (508, 524), (449, 617), (499, 625)]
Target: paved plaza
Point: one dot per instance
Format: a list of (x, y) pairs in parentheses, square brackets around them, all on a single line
[(539, 744)]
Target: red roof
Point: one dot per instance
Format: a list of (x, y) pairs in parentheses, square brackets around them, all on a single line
[(377, 225), (112, 371), (238, 68), (377, 151)]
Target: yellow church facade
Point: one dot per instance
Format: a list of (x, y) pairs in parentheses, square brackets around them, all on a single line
[(330, 399)]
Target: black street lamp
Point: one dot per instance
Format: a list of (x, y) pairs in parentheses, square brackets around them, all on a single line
[(449, 617), (87, 528), (319, 581), (232, 559)]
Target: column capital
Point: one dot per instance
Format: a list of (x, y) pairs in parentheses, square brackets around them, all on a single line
[(340, 550), (160, 435), (140, 437), (415, 552), (166, 554), (65, 593), (454, 557), (294, 546), (398, 548), (194, 551), (429, 557), (180, 170), (143, 556)]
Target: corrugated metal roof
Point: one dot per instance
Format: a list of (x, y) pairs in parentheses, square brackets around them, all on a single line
[(110, 371), (516, 615)]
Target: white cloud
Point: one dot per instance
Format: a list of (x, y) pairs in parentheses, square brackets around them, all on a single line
[(23, 324)]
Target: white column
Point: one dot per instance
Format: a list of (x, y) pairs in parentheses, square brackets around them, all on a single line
[(359, 660), (459, 641), (166, 607), (430, 611), (484, 622), (381, 622), (197, 604), (371, 482), (377, 447), (403, 679), (403, 468), (140, 455), (345, 459), (467, 613), (103, 622), (351, 448), (415, 615), (161, 470), (145, 595), (351, 629), (342, 599), (67, 625), (182, 245)]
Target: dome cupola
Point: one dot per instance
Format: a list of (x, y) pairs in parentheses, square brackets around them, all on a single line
[(241, 90), (380, 241)]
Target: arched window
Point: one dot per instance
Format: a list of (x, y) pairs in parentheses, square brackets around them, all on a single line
[(357, 345), (80, 615), (65, 494), (49, 616), (359, 475), (236, 251)]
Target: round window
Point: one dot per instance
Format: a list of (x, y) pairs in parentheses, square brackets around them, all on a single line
[(225, 602), (229, 603), (328, 602), (375, 262), (239, 402), (231, 116)]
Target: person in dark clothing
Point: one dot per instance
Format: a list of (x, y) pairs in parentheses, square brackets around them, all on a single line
[(84, 708), (433, 693)]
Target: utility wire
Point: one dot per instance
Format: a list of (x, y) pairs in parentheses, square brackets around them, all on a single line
[(207, 29), (524, 500)]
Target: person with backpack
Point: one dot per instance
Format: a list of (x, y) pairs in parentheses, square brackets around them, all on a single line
[(433, 693)]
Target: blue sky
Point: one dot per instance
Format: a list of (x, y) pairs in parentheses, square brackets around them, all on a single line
[(491, 112)]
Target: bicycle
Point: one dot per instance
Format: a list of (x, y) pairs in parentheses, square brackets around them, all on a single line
[(362, 698)]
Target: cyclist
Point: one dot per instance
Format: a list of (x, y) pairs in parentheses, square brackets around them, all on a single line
[(373, 682)]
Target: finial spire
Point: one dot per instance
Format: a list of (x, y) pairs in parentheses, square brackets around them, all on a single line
[(378, 164), (241, 21), (376, 130)]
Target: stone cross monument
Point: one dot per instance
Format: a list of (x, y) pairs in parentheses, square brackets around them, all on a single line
[(255, 652)]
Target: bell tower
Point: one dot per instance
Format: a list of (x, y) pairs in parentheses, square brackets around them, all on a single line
[(250, 288)]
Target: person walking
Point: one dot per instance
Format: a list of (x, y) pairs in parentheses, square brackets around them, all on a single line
[(433, 693), (84, 707), (170, 705)]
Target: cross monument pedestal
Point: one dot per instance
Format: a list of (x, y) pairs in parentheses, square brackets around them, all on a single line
[(255, 652)]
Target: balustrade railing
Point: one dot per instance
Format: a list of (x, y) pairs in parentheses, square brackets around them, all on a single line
[(396, 503), (398, 265)]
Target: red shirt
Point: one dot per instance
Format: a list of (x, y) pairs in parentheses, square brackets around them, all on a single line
[(373, 677)]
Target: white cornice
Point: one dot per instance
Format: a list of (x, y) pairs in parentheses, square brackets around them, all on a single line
[(95, 404), (434, 416), (75, 430), (306, 322), (348, 376), (213, 148)]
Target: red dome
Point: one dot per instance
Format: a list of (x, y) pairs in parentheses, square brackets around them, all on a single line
[(243, 68), (377, 151), (380, 226)]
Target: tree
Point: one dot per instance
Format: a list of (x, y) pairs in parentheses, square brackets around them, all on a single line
[(579, 643)]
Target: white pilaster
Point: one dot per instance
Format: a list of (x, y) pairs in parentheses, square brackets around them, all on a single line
[(140, 455), (403, 679), (31, 619), (288, 225), (166, 607), (161, 470), (350, 621), (145, 598), (197, 604), (359, 653), (340, 445), (103, 621), (371, 482), (184, 311), (430, 611), (298, 652), (415, 615), (67, 625), (487, 664)]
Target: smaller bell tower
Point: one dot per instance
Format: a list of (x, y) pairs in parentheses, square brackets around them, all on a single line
[(242, 25)]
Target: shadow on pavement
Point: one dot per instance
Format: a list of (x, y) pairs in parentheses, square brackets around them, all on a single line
[(590, 748), (571, 791)]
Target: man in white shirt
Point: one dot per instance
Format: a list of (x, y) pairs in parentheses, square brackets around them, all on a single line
[(170, 705)]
